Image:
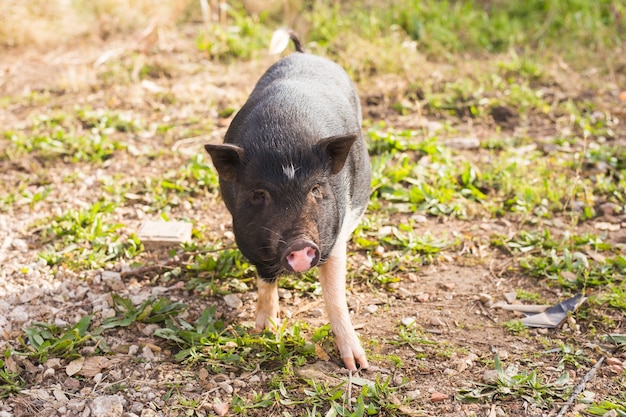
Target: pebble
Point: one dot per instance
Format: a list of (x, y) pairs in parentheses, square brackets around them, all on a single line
[(226, 387), (107, 406), (221, 409), (486, 299), (136, 408), (490, 376), (407, 321), (149, 329), (419, 218), (60, 396), (372, 308), (423, 297), (233, 301), (133, 349), (316, 312), (76, 404), (147, 353), (413, 395), (462, 143), (255, 379), (113, 280), (403, 293), (436, 321), (438, 397), (284, 294)]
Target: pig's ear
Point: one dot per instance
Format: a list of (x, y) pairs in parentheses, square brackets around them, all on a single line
[(337, 149), (226, 159)]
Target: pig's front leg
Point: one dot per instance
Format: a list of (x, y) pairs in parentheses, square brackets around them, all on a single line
[(333, 281), (267, 305)]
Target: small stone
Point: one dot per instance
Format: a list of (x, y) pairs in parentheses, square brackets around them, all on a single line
[(419, 218), (404, 293), (413, 395), (54, 363), (371, 309), (233, 301), (407, 321), (510, 297), (107, 406), (136, 408), (148, 412), (71, 384), (76, 405), (221, 409), (438, 397), (423, 297), (436, 321), (147, 353), (284, 294), (149, 329), (113, 280), (486, 299), (60, 396), (255, 379), (133, 349), (316, 312), (449, 286), (490, 376), (48, 373), (462, 143), (226, 387), (614, 361)]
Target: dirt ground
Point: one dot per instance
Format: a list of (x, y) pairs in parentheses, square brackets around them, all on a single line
[(450, 299)]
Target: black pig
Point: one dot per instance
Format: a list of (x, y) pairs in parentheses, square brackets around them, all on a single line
[(295, 175)]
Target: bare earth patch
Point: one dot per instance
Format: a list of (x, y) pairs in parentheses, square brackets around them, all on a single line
[(429, 334)]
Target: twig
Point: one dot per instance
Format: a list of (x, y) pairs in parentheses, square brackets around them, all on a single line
[(580, 387)]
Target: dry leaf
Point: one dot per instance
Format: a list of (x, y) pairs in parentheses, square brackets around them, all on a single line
[(75, 366), (94, 365), (321, 353)]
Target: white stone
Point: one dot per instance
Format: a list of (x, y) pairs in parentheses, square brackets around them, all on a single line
[(107, 406), (233, 301)]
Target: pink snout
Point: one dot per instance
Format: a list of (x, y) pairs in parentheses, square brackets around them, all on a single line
[(301, 255)]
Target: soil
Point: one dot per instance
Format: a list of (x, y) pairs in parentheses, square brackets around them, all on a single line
[(451, 299)]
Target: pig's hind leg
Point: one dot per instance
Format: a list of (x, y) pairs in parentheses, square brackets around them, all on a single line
[(333, 281), (267, 305)]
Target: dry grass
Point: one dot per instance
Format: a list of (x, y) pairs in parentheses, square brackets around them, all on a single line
[(47, 23)]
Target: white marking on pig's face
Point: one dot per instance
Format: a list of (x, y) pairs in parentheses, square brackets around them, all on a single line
[(289, 171)]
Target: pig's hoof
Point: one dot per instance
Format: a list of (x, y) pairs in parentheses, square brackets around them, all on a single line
[(264, 322), (353, 357)]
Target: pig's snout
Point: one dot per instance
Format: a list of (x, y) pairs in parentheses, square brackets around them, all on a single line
[(301, 255)]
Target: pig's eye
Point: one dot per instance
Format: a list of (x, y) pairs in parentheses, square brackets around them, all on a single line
[(259, 197), (316, 192)]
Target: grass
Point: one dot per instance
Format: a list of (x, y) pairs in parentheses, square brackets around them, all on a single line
[(512, 382), (547, 182)]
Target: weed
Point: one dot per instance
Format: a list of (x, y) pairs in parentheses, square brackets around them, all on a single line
[(150, 311), (511, 382), (85, 238), (45, 340), (222, 346), (10, 381)]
